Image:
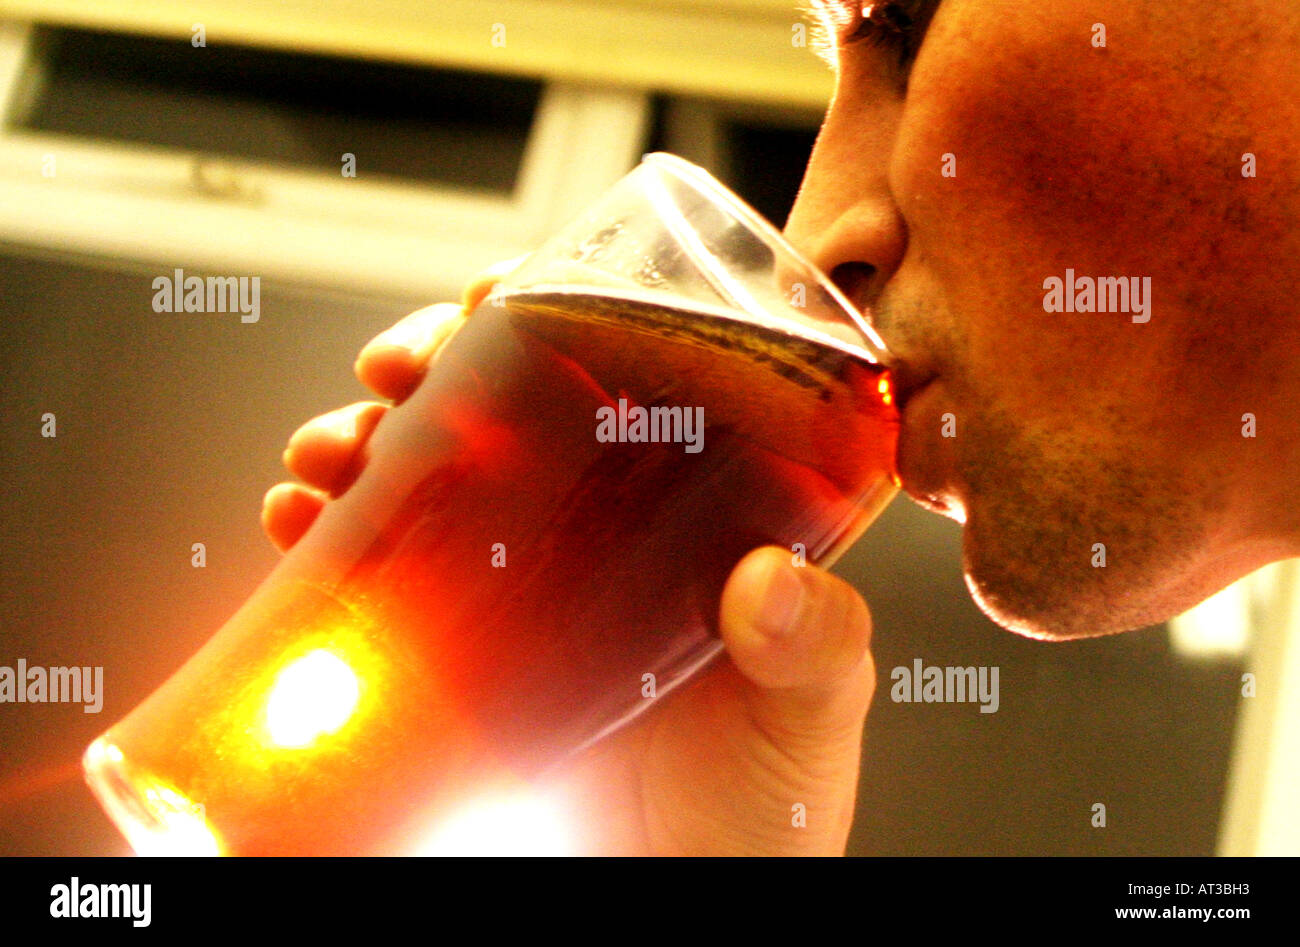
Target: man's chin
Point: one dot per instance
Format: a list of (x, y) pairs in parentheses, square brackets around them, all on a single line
[(1006, 611), (1003, 595), (1026, 593)]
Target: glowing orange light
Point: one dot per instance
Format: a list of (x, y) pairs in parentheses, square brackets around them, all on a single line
[(883, 387)]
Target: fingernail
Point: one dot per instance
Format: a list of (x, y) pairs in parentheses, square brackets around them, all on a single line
[(270, 492), (782, 600)]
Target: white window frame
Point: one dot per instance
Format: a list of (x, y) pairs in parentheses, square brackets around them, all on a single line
[(166, 207), (1259, 813)]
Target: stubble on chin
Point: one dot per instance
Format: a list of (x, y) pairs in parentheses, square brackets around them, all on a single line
[(1045, 510)]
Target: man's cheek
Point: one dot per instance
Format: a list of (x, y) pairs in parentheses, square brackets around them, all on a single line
[(1010, 173), (1096, 157), (1038, 162)]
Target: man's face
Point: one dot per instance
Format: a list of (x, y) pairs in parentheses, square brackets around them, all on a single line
[(942, 194)]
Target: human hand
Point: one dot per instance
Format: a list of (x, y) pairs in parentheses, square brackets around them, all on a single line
[(758, 754)]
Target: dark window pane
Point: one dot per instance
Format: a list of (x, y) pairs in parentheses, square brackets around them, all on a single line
[(450, 127)]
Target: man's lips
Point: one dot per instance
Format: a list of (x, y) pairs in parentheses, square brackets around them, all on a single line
[(925, 459), (908, 382)]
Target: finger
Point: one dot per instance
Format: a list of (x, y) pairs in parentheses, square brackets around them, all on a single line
[(327, 450), (801, 638), (481, 285), (392, 362), (288, 509)]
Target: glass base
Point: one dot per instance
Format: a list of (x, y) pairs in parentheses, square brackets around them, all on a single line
[(155, 818)]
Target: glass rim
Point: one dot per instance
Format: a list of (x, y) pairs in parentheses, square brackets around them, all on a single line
[(701, 180)]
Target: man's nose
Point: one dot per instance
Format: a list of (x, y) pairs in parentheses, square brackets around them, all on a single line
[(845, 219)]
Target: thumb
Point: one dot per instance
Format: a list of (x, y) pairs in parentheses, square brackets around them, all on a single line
[(800, 637)]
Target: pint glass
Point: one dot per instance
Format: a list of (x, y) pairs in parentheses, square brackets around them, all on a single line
[(535, 549)]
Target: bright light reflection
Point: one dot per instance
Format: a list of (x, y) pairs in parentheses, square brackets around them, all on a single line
[(883, 387), (518, 825), (312, 697), (154, 817), (182, 827)]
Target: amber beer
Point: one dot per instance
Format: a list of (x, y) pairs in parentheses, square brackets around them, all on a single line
[(504, 583)]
